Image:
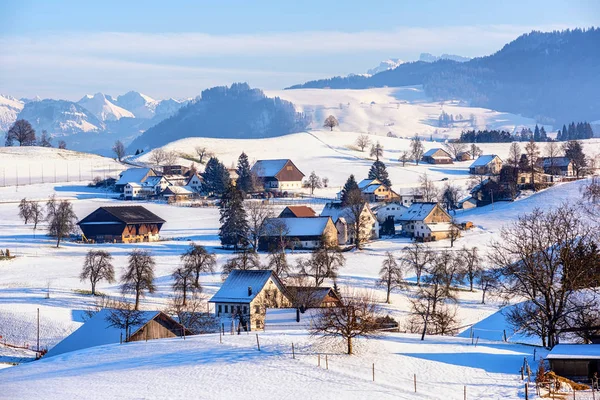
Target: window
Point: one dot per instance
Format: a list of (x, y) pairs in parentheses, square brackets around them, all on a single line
[(226, 308), (220, 309), (289, 168), (238, 309), (257, 309), (245, 310)]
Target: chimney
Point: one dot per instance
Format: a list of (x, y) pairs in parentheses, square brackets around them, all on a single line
[(249, 291)]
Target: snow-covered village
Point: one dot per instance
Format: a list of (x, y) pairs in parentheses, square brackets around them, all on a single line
[(280, 220)]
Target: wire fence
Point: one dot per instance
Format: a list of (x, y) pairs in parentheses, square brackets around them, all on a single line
[(64, 171)]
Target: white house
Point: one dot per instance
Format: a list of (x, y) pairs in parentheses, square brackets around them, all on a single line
[(135, 175), (344, 222), (195, 182), (278, 175), (394, 209), (154, 185), (426, 221), (133, 191)]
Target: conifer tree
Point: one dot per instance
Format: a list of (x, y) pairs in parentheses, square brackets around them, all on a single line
[(244, 180), (536, 134), (565, 135), (349, 186), (234, 225), (216, 177), (379, 171)]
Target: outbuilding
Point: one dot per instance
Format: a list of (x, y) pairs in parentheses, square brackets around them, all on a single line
[(578, 362), (121, 224)]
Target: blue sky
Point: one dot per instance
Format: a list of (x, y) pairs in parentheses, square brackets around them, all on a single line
[(66, 49)]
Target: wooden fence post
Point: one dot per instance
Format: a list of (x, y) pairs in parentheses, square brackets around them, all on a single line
[(220, 337), (319, 359), (326, 362), (522, 373), (373, 372), (257, 342), (504, 330), (415, 376), (465, 392), (534, 349), (526, 392), (293, 352)]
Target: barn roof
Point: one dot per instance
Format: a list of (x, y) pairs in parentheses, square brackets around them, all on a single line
[(267, 168), (483, 160), (129, 215), (133, 175), (235, 287), (97, 331), (431, 153), (557, 162), (575, 352), (300, 211), (301, 226), (418, 211)]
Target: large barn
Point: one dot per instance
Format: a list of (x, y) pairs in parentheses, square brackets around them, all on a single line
[(121, 224), (575, 361)]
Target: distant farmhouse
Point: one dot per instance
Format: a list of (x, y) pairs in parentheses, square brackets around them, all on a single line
[(343, 219), (392, 210), (374, 191), (246, 295), (133, 175), (297, 212), (278, 175), (298, 232), (489, 164), (557, 166), (426, 222), (463, 156), (313, 297), (174, 183), (121, 224), (437, 156)]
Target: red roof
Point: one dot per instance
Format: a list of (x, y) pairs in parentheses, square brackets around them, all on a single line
[(302, 211)]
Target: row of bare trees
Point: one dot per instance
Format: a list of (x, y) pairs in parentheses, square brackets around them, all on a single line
[(58, 214)]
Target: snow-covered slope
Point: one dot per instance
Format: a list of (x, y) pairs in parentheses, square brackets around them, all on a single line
[(103, 109), (385, 65), (9, 109)]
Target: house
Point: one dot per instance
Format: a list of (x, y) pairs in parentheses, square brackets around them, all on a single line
[(426, 221), (437, 156), (489, 164), (343, 218), (467, 203), (373, 191), (154, 185), (174, 194), (297, 212), (298, 232), (406, 199), (121, 224), (278, 175), (557, 166), (313, 297), (524, 178), (135, 175), (133, 191), (246, 295), (176, 180), (233, 176), (578, 362), (195, 182), (99, 330), (176, 170), (389, 210), (463, 156)]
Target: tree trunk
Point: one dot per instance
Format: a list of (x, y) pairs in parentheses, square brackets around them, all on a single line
[(387, 299), (137, 300), (331, 129), (350, 346), (93, 288), (483, 297), (57, 241)]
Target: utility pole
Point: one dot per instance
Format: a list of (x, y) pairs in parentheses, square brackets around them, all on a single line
[(38, 330)]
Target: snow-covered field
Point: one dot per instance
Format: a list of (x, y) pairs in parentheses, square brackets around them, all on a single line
[(44, 277)]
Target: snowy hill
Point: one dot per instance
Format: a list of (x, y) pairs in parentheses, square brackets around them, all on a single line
[(9, 109), (60, 117), (103, 109)]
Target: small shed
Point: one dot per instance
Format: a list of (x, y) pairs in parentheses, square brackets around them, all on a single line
[(578, 362)]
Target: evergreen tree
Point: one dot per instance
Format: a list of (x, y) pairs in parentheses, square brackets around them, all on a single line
[(543, 135), (536, 134), (349, 186), (571, 132), (574, 152), (244, 180), (565, 135), (216, 177), (379, 171), (234, 225)]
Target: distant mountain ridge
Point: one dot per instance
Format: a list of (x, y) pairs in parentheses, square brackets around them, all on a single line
[(551, 76)]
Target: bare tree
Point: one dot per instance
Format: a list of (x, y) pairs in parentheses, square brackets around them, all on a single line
[(487, 281), (184, 283), (390, 275), (325, 181), (454, 232), (61, 218), (22, 132), (171, 157), (416, 149), (404, 157), (450, 197), (331, 122), (139, 275), (314, 182), (193, 314), (427, 188), (157, 157), (25, 210), (544, 257), (363, 141), (62, 145), (36, 213), (323, 263), (455, 148), (202, 152), (244, 260), (356, 217), (258, 216), (416, 257), (278, 263), (96, 267), (585, 322), (124, 315), (475, 151), (119, 150), (198, 260), (45, 139), (471, 264), (514, 155), (376, 151), (552, 151), (355, 318), (533, 152)]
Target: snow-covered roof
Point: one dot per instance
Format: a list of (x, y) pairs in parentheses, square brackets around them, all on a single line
[(235, 287), (301, 226), (483, 160), (132, 175), (371, 188), (575, 351), (439, 227), (367, 182), (557, 162), (153, 180), (285, 318), (268, 168), (97, 331), (179, 190), (133, 184), (431, 152), (336, 211), (418, 211)]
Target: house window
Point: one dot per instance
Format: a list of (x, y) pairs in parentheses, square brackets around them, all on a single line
[(238, 309), (289, 168), (257, 324), (245, 310), (257, 309), (220, 309), (226, 308)]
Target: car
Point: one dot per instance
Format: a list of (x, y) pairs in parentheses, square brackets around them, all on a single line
[(444, 179)]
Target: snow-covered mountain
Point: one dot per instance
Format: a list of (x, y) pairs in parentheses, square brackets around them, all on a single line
[(428, 57), (139, 104), (60, 117), (9, 109), (103, 108), (168, 107), (385, 65)]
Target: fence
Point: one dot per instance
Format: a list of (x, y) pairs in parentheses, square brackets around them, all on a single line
[(63, 171)]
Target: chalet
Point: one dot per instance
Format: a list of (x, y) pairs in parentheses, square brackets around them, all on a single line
[(297, 212), (278, 175), (557, 166), (426, 221), (489, 164), (313, 297), (99, 330), (437, 156), (578, 362), (176, 180), (121, 224), (343, 219), (389, 210), (135, 175), (373, 191), (173, 194), (195, 182), (298, 232), (463, 156), (176, 170), (246, 295), (153, 185), (133, 191)]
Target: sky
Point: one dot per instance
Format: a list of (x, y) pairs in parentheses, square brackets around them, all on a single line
[(66, 49)]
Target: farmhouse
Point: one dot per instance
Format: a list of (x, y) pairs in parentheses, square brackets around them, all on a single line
[(176, 170), (194, 182), (467, 203), (463, 156), (298, 232), (297, 212), (437, 156), (313, 297), (278, 175), (99, 330), (344, 222), (557, 166), (406, 199), (133, 191), (153, 185), (134, 175), (373, 191), (121, 224), (489, 164), (246, 295), (578, 362), (426, 221), (389, 210), (174, 194)]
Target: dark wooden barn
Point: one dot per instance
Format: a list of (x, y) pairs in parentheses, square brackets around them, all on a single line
[(121, 224), (578, 362)]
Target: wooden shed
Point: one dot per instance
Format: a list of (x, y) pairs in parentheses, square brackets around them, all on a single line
[(121, 224), (578, 362)]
